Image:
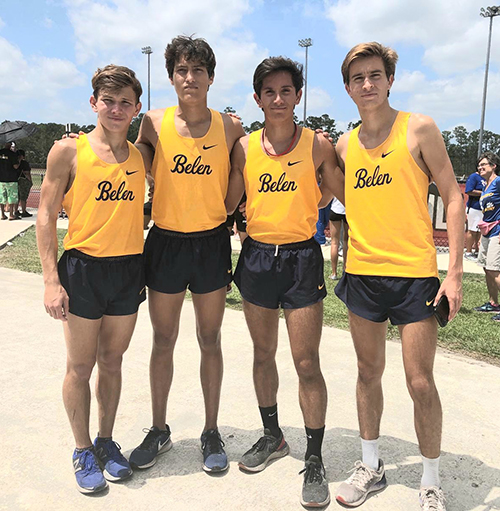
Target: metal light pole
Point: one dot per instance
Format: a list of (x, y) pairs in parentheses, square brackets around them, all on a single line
[(148, 51), (305, 43), (489, 12)]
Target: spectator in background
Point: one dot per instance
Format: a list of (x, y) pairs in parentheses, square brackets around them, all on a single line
[(9, 166), (24, 183), (473, 188), (337, 224), (489, 251), (321, 224)]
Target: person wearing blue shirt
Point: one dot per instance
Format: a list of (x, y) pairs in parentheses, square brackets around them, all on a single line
[(489, 251), (473, 188)]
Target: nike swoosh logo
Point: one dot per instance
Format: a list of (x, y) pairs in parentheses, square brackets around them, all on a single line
[(309, 436), (387, 154), (272, 414), (322, 286), (142, 290), (206, 147), (428, 302), (229, 271), (161, 444), (292, 163), (129, 173)]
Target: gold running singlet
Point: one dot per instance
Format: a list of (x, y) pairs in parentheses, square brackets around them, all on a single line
[(390, 230), (105, 204), (191, 177), (282, 192)]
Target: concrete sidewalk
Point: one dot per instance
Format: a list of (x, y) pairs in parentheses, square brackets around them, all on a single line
[(36, 441)]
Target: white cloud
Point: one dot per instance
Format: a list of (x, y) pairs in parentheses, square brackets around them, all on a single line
[(318, 101), (47, 22)]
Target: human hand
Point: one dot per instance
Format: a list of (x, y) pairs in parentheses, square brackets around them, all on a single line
[(452, 288), (70, 135), (56, 301), (325, 134), (243, 209)]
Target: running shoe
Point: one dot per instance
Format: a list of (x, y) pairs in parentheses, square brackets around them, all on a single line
[(214, 457), (487, 307), (363, 481), (315, 492), (115, 466), (89, 478), (470, 257), (267, 448), (431, 499), (496, 317), (157, 441)]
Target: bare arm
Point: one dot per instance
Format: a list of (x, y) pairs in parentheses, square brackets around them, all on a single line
[(233, 130), (236, 185), (434, 155), (60, 163), (332, 178)]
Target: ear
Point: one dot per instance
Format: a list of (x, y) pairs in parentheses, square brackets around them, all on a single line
[(348, 89), (93, 103), (137, 109), (299, 97), (257, 100), (211, 80), (391, 81)]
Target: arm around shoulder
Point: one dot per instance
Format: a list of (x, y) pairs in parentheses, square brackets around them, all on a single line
[(236, 186), (332, 178)]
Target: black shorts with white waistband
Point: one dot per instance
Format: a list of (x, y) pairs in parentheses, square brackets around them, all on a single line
[(400, 299), (200, 261), (289, 275), (102, 286)]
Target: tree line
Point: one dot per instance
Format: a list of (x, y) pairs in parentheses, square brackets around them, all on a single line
[(460, 143)]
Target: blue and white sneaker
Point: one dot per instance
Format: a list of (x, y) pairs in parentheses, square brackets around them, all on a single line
[(214, 457), (115, 466), (89, 478)]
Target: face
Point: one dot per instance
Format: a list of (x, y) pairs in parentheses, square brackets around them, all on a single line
[(368, 84), (115, 110), (278, 97), (485, 169), (190, 80)]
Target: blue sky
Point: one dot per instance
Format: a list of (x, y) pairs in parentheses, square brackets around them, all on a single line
[(50, 49)]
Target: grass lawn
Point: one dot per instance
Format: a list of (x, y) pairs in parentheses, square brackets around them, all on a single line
[(470, 332)]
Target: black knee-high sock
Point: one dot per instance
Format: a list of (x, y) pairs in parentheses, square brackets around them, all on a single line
[(314, 442), (269, 416)]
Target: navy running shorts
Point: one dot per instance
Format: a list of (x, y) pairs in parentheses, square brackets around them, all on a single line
[(199, 261), (400, 299), (102, 286), (290, 275)]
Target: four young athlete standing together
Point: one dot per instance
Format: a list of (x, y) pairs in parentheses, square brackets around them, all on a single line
[(201, 163)]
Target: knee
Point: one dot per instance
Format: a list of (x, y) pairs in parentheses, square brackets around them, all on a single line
[(109, 362), (421, 387), (209, 340), (264, 354), (80, 370), (370, 373), (164, 338), (308, 367)]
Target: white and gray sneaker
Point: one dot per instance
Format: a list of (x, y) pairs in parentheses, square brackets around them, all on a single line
[(431, 499), (363, 481)]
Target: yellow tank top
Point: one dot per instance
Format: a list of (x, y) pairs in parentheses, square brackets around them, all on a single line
[(282, 192), (105, 204), (191, 177), (390, 230)]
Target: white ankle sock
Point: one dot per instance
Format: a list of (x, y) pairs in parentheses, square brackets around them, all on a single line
[(370, 453), (430, 477)]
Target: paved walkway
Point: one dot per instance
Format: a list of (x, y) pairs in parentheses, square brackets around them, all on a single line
[(36, 441)]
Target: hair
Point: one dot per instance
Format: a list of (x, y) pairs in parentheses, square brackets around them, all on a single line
[(197, 50), (20, 152), (274, 65), (388, 55), (493, 160), (113, 78)]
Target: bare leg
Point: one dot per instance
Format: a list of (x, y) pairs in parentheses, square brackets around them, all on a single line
[(2, 209), (493, 284), (469, 241), (165, 311), (114, 339), (263, 326), (209, 309), (419, 349), (334, 248), (369, 343), (304, 330), (81, 344)]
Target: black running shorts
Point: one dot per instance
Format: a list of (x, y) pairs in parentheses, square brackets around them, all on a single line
[(102, 286), (290, 275), (402, 300), (200, 261), (337, 217)]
